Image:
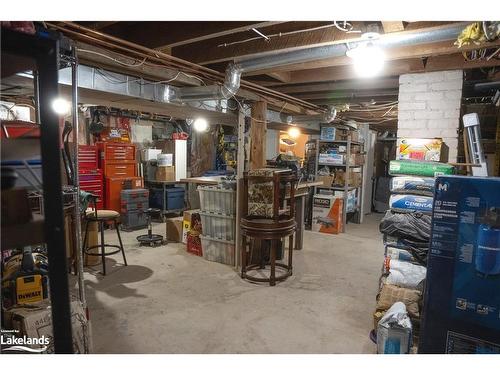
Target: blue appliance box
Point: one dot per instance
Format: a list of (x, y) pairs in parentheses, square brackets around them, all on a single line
[(462, 297)]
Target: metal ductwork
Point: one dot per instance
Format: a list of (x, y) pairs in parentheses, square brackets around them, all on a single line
[(235, 70), (337, 50), (326, 117)]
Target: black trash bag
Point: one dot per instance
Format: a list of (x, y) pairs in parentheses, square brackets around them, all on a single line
[(412, 229)]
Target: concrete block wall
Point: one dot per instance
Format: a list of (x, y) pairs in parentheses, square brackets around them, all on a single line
[(429, 107)]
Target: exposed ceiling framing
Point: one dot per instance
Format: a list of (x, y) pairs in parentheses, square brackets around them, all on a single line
[(320, 82)]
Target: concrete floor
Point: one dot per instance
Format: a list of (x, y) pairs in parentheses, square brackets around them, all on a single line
[(169, 301)]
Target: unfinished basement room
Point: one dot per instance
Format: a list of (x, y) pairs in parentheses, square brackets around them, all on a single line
[(219, 186)]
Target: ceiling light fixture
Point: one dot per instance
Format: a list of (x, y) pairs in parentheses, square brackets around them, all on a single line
[(294, 132), (200, 124), (61, 106), (368, 58)]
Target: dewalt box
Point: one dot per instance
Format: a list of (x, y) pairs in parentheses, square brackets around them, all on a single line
[(327, 214), (24, 279)]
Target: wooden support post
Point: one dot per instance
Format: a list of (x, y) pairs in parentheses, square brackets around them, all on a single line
[(258, 130)]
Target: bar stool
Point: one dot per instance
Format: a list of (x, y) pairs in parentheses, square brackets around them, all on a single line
[(268, 215), (101, 217)]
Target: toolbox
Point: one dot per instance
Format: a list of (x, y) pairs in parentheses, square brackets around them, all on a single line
[(114, 187)]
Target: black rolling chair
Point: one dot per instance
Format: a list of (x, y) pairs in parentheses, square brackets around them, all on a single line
[(101, 217)]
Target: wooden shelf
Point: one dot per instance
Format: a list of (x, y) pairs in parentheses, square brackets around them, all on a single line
[(344, 142), (338, 188), (30, 233), (340, 165)]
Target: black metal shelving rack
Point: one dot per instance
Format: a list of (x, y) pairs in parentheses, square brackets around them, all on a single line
[(43, 51)]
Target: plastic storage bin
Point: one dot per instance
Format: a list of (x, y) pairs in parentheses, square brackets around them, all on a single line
[(218, 226), (216, 250), (173, 199), (217, 200), (26, 178)]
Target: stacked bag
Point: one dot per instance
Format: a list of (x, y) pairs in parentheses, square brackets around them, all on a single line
[(406, 227)]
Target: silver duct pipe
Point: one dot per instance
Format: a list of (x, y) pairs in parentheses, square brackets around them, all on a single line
[(340, 49), (235, 70), (326, 117)]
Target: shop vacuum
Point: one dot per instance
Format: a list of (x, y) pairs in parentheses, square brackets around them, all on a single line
[(25, 278)]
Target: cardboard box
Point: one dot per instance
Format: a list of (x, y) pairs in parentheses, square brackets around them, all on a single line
[(357, 159), (355, 178), (419, 149), (462, 298), (35, 322), (327, 214), (327, 180), (191, 221), (165, 173), (174, 227), (15, 207), (327, 133)]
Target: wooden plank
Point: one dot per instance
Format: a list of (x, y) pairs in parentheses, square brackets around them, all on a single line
[(258, 130), (284, 77), (240, 168), (392, 26), (358, 84), (219, 34)]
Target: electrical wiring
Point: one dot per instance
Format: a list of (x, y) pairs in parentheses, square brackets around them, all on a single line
[(268, 37), (143, 62), (112, 58)]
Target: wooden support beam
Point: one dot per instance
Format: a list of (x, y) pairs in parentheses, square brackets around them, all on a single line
[(392, 68), (219, 34), (359, 84), (283, 76), (392, 26), (258, 131)]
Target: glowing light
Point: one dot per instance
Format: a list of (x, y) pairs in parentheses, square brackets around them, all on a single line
[(368, 60), (61, 106), (200, 125), (294, 132)]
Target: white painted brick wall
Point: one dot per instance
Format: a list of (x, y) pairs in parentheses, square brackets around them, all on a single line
[(429, 107)]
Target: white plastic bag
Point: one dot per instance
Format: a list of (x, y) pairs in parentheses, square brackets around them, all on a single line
[(394, 331), (405, 274)]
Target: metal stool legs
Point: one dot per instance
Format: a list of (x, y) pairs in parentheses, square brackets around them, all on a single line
[(103, 245), (121, 243)]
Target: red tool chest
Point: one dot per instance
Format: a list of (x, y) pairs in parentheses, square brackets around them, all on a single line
[(114, 187), (91, 177), (87, 157), (117, 161), (91, 181)]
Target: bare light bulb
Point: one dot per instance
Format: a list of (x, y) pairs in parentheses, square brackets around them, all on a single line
[(368, 60), (200, 125), (61, 106), (293, 132)]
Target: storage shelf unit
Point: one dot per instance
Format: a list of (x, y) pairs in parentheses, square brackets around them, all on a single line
[(42, 52), (355, 213)]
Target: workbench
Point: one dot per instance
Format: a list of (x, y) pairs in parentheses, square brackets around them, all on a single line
[(301, 196)]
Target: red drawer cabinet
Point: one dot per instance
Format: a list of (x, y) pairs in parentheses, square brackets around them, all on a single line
[(87, 157), (119, 170), (92, 182)]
